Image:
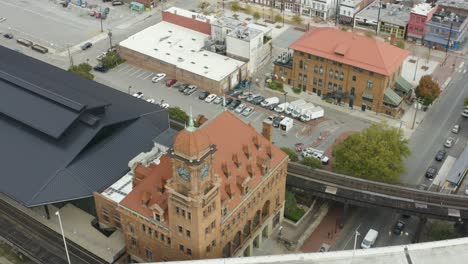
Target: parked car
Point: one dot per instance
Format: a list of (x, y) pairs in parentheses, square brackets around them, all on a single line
[(398, 228), (258, 100), (182, 87), (86, 46), (240, 108), (210, 98), (369, 239), (164, 105), (158, 77), (8, 35), (190, 89), (431, 172), (151, 100), (228, 101), (248, 111), (170, 82), (203, 95), (277, 121), (456, 129), (440, 155), (101, 56), (117, 3), (271, 107), (138, 95), (218, 99), (244, 95), (234, 93), (100, 68), (251, 97), (235, 104), (449, 142), (324, 247), (465, 113)]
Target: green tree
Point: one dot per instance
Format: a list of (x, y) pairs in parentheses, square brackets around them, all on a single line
[(256, 15), (178, 114), (278, 18), (428, 90), (291, 153), (291, 210), (311, 162), (441, 230), (235, 7), (376, 153), (111, 60), (82, 70), (297, 19), (466, 101), (401, 44)]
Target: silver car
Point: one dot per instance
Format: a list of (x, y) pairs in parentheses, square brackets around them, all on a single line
[(449, 142), (248, 111), (240, 108)]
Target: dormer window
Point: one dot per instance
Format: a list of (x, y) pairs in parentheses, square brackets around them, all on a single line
[(157, 217)]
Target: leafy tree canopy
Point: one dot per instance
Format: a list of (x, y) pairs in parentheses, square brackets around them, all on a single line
[(376, 153), (291, 153), (428, 90), (441, 230), (312, 162)]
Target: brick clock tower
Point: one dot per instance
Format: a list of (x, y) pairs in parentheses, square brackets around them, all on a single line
[(194, 202)]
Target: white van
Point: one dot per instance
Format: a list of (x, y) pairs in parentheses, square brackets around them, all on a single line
[(369, 239)]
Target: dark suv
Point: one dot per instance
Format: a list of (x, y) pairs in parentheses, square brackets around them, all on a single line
[(203, 95), (234, 104), (440, 155), (398, 228), (431, 172)]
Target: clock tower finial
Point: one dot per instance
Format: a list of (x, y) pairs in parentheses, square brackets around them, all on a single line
[(191, 126)]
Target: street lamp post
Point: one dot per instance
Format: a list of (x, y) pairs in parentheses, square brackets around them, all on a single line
[(63, 235), (100, 17), (355, 242), (110, 38), (418, 102), (416, 69), (129, 88), (285, 99)]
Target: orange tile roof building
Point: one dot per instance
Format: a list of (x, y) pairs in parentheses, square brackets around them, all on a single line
[(216, 193), (349, 68)]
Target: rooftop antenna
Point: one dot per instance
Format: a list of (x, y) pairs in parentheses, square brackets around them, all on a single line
[(191, 126)]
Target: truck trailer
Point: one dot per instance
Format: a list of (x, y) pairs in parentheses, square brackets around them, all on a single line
[(311, 114), (300, 110), (292, 106)]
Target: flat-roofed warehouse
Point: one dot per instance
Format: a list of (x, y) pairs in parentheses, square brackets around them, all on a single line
[(179, 52)]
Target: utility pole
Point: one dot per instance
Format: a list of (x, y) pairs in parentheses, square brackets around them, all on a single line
[(415, 112), (282, 9), (70, 58), (337, 12), (110, 38), (448, 40), (378, 18), (416, 69), (100, 17)]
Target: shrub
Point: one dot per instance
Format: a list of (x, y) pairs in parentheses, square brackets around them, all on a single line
[(235, 7), (296, 90), (401, 44), (291, 210), (291, 153), (83, 70), (297, 19), (276, 86), (278, 18), (256, 15), (344, 29), (178, 114), (311, 162), (111, 60)]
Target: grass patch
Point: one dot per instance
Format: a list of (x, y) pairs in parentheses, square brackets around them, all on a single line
[(296, 90), (276, 86), (83, 70)]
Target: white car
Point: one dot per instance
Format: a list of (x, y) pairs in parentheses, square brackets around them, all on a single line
[(240, 108), (465, 113), (210, 98), (218, 100), (100, 56), (164, 105), (248, 111), (449, 142), (456, 129), (158, 77), (138, 95), (151, 100)]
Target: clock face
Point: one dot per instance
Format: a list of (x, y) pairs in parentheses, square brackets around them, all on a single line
[(204, 171), (183, 173)]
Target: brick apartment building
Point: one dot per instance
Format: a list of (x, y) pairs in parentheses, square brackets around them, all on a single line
[(216, 193), (420, 13), (346, 67)]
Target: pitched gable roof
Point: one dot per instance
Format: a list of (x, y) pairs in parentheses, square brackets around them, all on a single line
[(352, 49)]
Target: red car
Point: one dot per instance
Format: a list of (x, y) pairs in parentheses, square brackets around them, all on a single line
[(170, 82)]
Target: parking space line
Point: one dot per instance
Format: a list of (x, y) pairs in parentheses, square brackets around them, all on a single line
[(130, 69), (135, 72), (130, 73), (124, 67), (148, 76), (258, 117), (141, 74)]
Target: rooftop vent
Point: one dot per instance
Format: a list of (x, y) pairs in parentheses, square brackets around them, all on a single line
[(192, 62), (168, 54), (155, 49), (192, 50), (206, 67), (206, 55), (194, 39), (180, 46)]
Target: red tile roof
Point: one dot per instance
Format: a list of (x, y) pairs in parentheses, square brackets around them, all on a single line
[(352, 49), (231, 136)]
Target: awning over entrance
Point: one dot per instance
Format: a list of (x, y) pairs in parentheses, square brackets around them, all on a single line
[(368, 96), (392, 98), (401, 84)]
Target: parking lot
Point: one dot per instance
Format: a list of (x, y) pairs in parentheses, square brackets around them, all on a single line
[(49, 24), (130, 79)]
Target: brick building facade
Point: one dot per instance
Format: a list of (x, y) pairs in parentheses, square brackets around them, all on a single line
[(346, 67), (206, 197)]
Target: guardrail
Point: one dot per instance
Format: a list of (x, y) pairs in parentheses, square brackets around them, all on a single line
[(422, 196)]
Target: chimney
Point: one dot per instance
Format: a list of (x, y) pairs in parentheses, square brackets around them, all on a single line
[(256, 142), (269, 152), (267, 129), (235, 159), (226, 170), (250, 169), (246, 150)]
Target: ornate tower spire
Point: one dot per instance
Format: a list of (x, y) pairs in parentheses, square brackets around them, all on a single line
[(191, 126)]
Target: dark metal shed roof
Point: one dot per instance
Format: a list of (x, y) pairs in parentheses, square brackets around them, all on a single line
[(67, 136)]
